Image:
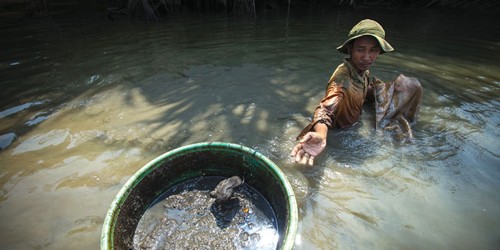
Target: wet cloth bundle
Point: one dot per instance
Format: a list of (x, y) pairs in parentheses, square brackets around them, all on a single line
[(397, 103)]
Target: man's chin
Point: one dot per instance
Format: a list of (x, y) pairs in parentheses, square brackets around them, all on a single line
[(365, 67)]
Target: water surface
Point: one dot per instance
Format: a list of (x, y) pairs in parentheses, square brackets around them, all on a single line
[(86, 102)]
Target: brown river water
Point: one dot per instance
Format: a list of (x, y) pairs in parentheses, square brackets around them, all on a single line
[(85, 102)]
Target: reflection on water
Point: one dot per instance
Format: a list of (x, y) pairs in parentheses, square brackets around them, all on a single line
[(85, 104)]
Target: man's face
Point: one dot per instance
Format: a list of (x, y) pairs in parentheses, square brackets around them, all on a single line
[(364, 51)]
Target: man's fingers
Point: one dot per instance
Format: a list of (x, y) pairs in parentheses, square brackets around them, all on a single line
[(296, 149), (299, 155), (305, 159), (302, 157), (311, 161)]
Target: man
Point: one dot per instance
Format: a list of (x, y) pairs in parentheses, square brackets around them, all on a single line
[(347, 89)]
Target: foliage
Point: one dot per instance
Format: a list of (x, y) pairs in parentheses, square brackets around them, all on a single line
[(154, 10)]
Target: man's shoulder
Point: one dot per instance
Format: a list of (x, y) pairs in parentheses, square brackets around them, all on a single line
[(341, 73)]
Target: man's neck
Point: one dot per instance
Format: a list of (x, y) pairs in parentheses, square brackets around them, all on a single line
[(360, 72)]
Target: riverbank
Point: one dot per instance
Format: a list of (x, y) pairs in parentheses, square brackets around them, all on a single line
[(155, 10)]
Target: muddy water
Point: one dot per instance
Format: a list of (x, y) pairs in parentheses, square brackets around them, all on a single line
[(85, 102)]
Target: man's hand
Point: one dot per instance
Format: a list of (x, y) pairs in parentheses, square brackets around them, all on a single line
[(311, 145)]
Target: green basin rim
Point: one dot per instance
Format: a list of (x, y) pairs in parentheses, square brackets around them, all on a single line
[(110, 221)]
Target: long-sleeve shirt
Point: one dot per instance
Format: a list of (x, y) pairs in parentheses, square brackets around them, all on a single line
[(344, 97)]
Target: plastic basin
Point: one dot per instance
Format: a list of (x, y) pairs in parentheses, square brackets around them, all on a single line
[(192, 161)]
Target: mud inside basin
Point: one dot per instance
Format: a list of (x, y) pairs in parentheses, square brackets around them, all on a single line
[(184, 164)]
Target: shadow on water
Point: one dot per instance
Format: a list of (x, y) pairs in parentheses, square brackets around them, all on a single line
[(134, 91)]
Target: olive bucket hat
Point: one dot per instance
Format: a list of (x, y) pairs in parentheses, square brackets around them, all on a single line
[(367, 27)]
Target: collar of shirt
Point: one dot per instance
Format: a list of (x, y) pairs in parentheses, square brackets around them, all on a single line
[(363, 78)]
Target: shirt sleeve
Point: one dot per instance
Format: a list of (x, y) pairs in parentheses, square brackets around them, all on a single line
[(326, 110)]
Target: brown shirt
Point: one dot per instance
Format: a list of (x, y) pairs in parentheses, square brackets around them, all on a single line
[(344, 98)]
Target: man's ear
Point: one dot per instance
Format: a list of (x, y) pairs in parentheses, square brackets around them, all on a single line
[(349, 48)]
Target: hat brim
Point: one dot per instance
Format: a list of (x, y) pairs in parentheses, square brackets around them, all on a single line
[(384, 45)]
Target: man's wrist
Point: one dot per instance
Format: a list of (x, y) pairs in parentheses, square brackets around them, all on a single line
[(321, 129)]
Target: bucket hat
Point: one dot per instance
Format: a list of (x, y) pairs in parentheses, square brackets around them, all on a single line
[(367, 27)]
